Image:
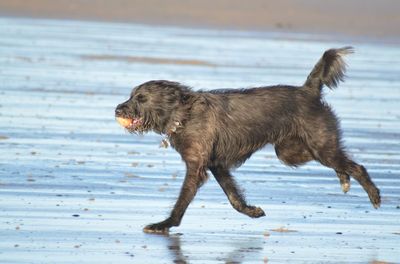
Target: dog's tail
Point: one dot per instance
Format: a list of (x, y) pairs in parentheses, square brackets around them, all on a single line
[(329, 70)]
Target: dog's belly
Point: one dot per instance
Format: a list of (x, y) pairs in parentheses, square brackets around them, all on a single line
[(233, 150), (237, 141)]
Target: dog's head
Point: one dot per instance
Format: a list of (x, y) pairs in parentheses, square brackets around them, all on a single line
[(153, 105)]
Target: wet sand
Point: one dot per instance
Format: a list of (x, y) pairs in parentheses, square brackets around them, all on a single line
[(76, 188), (369, 18)]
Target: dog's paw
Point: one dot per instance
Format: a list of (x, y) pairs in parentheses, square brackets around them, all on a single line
[(345, 186), (375, 197), (344, 182), (255, 212), (158, 228)]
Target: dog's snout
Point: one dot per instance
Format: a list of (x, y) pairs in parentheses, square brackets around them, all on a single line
[(120, 109)]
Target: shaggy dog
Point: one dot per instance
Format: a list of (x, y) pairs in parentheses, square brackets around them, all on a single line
[(220, 129)]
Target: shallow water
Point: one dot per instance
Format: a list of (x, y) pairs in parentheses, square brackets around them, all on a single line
[(74, 187)]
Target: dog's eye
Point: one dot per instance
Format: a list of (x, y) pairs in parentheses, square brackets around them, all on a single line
[(141, 98)]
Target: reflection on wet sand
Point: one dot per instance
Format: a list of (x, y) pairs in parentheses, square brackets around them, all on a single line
[(174, 246), (250, 248)]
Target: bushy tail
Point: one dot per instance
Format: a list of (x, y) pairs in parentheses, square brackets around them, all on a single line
[(329, 70)]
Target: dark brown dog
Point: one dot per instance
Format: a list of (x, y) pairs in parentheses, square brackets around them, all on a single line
[(221, 129)]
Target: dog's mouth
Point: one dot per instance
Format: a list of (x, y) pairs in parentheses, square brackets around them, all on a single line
[(132, 124)]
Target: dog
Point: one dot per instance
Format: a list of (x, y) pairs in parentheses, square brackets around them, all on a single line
[(220, 129)]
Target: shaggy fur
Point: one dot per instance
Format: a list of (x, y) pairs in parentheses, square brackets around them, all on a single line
[(219, 130)]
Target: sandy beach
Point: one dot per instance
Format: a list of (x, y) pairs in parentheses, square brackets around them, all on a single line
[(369, 18)]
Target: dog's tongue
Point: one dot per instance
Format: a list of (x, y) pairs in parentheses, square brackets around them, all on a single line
[(136, 122), (129, 122)]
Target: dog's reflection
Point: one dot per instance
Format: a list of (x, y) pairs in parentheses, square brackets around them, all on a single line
[(249, 248), (174, 246)]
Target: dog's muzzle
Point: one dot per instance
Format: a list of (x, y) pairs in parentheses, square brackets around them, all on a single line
[(130, 123)]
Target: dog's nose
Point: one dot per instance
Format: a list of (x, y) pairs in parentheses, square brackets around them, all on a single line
[(118, 110)]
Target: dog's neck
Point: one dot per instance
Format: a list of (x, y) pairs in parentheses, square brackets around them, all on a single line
[(177, 120), (172, 129), (174, 126)]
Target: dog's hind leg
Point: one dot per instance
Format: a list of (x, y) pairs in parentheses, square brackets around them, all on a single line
[(294, 152), (360, 174), (235, 197), (335, 158)]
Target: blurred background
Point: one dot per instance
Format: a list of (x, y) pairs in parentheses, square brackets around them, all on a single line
[(352, 17)]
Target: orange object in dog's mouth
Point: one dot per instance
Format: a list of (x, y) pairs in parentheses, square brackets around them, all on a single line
[(129, 123)]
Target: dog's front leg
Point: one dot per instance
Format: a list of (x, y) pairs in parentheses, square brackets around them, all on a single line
[(195, 177)]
